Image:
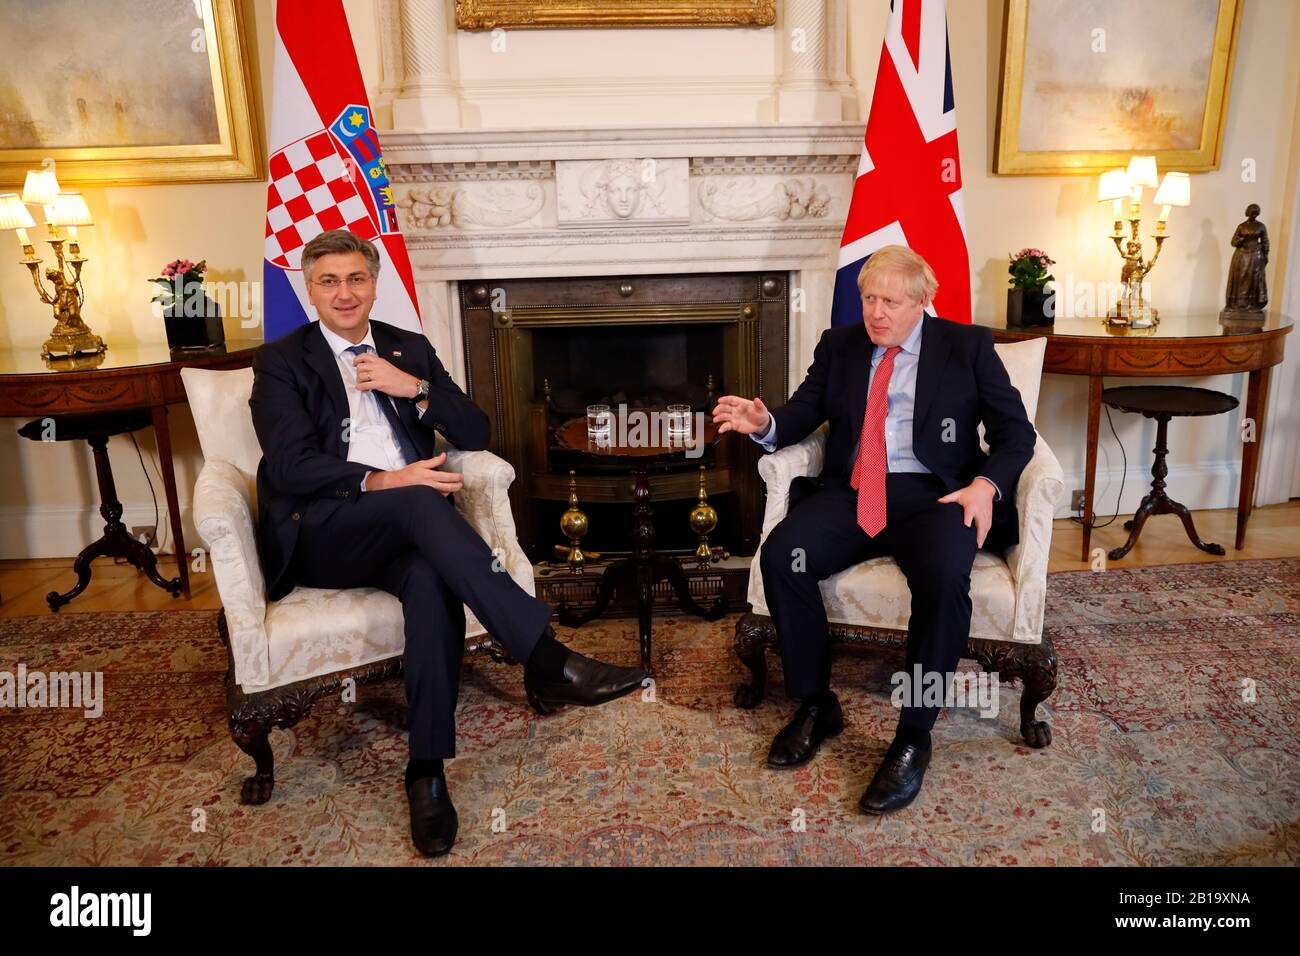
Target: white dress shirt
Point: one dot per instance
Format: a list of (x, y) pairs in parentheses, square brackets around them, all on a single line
[(370, 439)]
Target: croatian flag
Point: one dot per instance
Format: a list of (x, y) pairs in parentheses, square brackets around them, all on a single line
[(908, 189), (327, 170)]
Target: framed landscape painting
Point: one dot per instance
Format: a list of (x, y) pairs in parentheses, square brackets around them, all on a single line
[(128, 91), (1084, 86)]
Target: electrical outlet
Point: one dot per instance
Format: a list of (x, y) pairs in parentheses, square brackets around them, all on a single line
[(147, 533), (1076, 500)]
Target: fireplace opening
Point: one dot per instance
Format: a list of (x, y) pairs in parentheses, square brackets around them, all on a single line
[(627, 365), (539, 351)]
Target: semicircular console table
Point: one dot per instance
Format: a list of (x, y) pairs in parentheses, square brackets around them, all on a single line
[(144, 377), (1181, 345)]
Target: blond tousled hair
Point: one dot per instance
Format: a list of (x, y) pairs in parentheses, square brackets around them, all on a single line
[(914, 272)]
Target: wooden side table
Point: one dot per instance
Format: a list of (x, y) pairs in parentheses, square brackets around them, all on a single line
[(1164, 402), (644, 568), (1182, 345), (122, 379), (116, 541)]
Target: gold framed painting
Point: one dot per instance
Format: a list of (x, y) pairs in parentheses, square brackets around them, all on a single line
[(128, 92), (533, 14), (1088, 83)]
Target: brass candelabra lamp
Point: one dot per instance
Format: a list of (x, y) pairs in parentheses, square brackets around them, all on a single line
[(64, 212), (1133, 309)]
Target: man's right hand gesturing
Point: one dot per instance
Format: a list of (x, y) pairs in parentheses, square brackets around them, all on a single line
[(741, 415), (418, 473)]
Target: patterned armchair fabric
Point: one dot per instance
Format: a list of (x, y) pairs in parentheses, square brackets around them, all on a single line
[(311, 631), (1008, 592)]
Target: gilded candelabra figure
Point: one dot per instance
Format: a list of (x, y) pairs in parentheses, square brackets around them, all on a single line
[(71, 335), (1133, 304), (64, 212), (1116, 185)]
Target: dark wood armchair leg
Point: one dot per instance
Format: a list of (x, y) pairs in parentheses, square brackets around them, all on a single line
[(1035, 666), (1039, 680), (754, 633), (254, 716), (252, 736)]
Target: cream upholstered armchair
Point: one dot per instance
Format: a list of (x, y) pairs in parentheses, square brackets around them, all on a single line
[(869, 603), (284, 654)]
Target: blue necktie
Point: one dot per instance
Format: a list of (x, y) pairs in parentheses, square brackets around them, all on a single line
[(403, 437)]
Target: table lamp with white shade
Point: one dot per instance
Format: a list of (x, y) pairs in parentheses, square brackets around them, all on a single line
[(1133, 309), (1142, 172), (1175, 190), (64, 210), (14, 215), (1114, 188)]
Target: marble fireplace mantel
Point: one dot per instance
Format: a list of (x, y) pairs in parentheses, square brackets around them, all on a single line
[(634, 200)]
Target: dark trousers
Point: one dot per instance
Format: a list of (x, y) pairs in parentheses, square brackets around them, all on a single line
[(820, 537), (412, 543)]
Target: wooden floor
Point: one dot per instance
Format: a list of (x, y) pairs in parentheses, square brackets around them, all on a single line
[(1274, 533)]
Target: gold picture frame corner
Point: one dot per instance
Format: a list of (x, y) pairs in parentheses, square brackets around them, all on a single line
[(1010, 160), (240, 156)]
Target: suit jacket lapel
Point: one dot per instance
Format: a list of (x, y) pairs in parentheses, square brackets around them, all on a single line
[(321, 359), (859, 359), (929, 370)]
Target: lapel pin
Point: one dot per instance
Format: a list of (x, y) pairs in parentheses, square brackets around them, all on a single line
[(396, 354)]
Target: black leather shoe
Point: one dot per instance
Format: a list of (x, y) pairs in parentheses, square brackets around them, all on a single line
[(798, 740), (584, 682), (433, 818), (897, 780)]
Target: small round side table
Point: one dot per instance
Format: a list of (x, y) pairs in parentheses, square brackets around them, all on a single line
[(1163, 402), (116, 541)]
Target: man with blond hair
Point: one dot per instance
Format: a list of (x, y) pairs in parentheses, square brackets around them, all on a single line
[(904, 477)]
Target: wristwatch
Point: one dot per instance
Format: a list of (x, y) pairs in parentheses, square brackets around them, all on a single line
[(423, 392)]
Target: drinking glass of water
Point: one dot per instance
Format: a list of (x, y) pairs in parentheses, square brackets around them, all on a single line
[(599, 423), (679, 421)]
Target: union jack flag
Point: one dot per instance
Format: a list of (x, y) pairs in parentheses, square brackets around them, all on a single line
[(908, 189)]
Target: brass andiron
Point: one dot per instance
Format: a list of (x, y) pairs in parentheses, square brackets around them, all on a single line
[(704, 518), (573, 524)]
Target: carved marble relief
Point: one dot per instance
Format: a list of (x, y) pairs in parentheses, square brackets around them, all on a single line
[(617, 191), (489, 205), (753, 200)]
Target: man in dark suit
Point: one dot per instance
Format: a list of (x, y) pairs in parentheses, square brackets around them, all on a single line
[(904, 476), (350, 494)]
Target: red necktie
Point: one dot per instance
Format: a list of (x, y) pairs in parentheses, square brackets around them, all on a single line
[(869, 469)]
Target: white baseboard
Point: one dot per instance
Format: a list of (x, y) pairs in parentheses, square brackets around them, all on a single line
[(61, 531), (1207, 485)]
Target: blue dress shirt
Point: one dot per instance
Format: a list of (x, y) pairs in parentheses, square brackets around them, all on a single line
[(899, 456)]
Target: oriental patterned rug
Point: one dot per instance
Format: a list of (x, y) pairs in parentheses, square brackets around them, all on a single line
[(1176, 728)]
